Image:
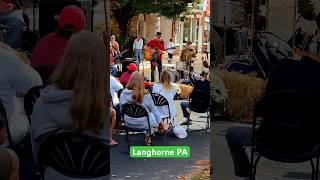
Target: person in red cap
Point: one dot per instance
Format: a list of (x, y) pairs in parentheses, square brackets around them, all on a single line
[(126, 76), (50, 48)]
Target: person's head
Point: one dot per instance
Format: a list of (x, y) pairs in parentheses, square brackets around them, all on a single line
[(71, 20), (189, 44), (158, 35), (205, 64), (165, 80), (132, 67), (138, 36), (83, 70), (204, 75), (113, 38), (136, 84), (171, 40)]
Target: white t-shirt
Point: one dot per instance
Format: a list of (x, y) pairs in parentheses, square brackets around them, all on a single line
[(16, 77), (115, 86), (169, 95), (138, 44), (170, 45)]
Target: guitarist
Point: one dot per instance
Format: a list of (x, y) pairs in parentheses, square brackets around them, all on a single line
[(156, 46)]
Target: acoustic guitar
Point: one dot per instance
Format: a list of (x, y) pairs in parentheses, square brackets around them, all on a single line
[(153, 53)]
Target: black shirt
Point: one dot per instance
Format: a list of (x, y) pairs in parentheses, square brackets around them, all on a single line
[(302, 76)]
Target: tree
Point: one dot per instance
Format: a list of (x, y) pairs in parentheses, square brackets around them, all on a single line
[(125, 10)]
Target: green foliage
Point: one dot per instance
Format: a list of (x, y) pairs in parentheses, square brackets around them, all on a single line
[(167, 8)]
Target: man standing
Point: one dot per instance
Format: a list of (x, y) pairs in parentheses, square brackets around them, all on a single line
[(114, 46), (187, 56), (170, 47), (12, 17), (156, 46), (137, 49)]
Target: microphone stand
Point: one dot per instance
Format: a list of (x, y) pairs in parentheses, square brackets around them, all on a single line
[(93, 2)]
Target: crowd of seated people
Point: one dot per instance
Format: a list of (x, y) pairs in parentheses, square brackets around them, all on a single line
[(135, 93), (76, 95), (76, 98)]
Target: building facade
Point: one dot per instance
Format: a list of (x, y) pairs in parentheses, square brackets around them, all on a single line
[(193, 25)]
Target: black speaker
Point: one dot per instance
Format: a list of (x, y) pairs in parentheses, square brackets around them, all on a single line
[(49, 11), (126, 63)]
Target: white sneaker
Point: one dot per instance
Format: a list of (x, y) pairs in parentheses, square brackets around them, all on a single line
[(245, 178), (242, 178)]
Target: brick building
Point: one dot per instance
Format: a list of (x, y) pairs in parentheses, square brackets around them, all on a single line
[(192, 25)]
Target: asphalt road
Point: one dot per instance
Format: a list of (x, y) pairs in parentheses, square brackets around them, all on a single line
[(124, 167)]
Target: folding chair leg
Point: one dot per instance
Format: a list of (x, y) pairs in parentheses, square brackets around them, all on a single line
[(189, 120), (317, 168), (253, 176), (127, 139), (313, 170), (151, 142), (208, 123)]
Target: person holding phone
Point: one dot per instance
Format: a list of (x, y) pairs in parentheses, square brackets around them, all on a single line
[(11, 17)]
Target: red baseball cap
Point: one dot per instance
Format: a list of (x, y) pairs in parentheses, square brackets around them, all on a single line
[(132, 67), (72, 15)]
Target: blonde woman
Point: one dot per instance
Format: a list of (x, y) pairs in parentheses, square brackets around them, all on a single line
[(77, 97), (166, 89), (135, 93)]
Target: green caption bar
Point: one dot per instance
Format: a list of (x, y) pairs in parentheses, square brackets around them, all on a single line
[(160, 151)]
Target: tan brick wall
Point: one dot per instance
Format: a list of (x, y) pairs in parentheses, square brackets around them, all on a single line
[(150, 26), (166, 27)]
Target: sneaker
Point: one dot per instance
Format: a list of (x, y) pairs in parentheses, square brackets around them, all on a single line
[(186, 122), (245, 178), (113, 143)]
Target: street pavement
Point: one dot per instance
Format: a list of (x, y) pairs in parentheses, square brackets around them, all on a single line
[(267, 170), (124, 167)]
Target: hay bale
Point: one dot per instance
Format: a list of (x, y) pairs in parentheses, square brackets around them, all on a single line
[(185, 91), (243, 93)]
